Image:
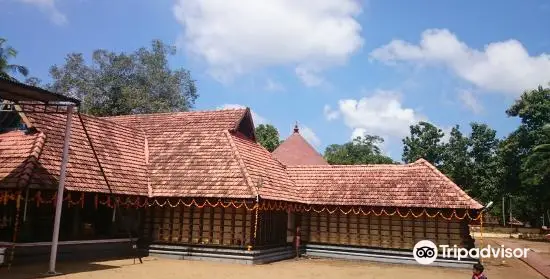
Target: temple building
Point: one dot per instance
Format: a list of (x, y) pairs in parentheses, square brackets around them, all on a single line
[(197, 185)]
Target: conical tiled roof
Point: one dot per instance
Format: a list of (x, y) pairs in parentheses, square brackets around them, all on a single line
[(295, 150)]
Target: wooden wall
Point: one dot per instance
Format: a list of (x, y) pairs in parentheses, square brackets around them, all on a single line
[(378, 231), (206, 226), (272, 228)]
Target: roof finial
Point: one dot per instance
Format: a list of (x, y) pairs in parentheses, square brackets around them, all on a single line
[(296, 130)]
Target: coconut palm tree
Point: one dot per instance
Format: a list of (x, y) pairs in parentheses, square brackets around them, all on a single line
[(6, 53)]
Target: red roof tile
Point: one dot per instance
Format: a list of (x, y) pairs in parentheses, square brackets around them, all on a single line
[(264, 171), (414, 185), (206, 154), (18, 155), (295, 150), (121, 152), (190, 154)]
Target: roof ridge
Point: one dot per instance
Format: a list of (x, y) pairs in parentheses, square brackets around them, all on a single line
[(241, 163), (243, 116), (173, 112), (32, 159), (424, 162), (351, 166)]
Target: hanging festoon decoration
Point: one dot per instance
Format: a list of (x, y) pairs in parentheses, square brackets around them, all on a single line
[(280, 205), (140, 202)]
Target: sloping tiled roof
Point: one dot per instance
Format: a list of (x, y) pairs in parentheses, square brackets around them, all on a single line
[(121, 152), (295, 150), (18, 155), (190, 154), (264, 171), (206, 154), (414, 185)]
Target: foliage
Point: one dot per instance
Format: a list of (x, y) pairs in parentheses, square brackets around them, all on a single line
[(456, 159), (268, 136), (361, 150), (524, 157), (7, 69), (483, 167), (116, 84), (425, 141)]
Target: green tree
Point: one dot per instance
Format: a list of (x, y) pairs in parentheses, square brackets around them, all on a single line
[(115, 84), (268, 136), (361, 150), (539, 159), (484, 169), (425, 141), (7, 69), (456, 159), (522, 176)]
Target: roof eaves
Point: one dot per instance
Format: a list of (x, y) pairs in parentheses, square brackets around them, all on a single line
[(242, 166), (476, 205)]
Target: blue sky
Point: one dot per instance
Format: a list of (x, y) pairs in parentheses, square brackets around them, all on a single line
[(338, 67)]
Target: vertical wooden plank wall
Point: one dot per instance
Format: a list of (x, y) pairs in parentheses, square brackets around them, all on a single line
[(206, 226), (378, 231)]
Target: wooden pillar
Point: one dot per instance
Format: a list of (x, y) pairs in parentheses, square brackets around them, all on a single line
[(338, 232), (233, 213), (182, 212), (243, 237), (201, 223), (76, 221), (348, 236), (171, 225), (222, 224), (191, 215), (380, 230), (211, 236)]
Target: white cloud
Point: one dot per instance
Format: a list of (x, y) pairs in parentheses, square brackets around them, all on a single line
[(358, 132), (470, 101), (255, 117), (504, 66), (330, 114), (235, 38), (380, 114), (49, 7), (446, 134), (310, 136), (271, 85)]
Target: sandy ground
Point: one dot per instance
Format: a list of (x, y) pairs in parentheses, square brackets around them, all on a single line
[(540, 247), (302, 268)]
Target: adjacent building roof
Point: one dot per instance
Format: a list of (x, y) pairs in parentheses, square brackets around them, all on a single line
[(295, 150), (418, 184), (208, 154), (120, 150)]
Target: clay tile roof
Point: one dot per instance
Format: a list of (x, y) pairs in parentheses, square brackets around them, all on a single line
[(207, 154), (121, 152), (295, 150), (413, 185), (190, 154), (264, 171), (17, 164)]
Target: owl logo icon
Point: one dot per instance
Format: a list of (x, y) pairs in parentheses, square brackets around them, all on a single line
[(425, 252)]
